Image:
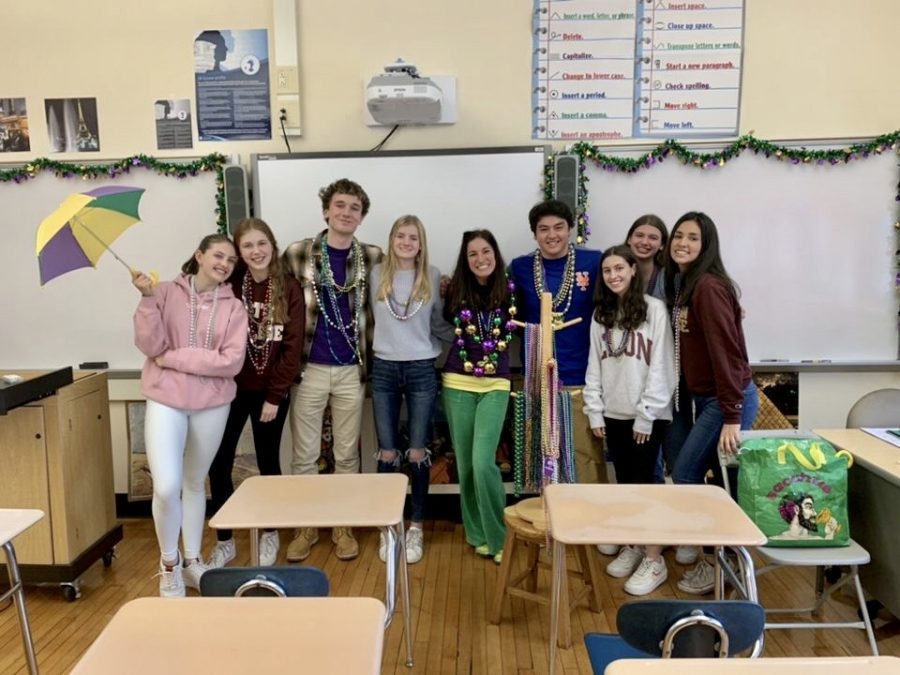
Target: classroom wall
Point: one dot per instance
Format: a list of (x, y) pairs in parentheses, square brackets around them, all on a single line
[(812, 69)]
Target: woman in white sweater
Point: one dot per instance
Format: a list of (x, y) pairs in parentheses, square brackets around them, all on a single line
[(628, 392)]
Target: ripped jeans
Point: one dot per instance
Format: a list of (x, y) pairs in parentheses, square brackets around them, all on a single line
[(416, 382)]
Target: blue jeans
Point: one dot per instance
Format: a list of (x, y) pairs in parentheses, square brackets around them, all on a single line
[(692, 443), (416, 381)]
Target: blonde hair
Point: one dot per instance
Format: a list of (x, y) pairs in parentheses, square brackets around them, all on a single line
[(276, 266), (421, 289)]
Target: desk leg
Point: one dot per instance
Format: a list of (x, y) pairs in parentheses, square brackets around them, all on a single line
[(18, 595), (254, 547), (559, 569), (396, 545)]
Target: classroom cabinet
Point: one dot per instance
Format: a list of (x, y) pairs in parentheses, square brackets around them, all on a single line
[(56, 456)]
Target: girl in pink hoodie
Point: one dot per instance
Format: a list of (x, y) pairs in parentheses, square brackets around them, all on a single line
[(194, 334)]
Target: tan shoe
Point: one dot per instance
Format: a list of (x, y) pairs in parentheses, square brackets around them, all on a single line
[(345, 545), (303, 540)]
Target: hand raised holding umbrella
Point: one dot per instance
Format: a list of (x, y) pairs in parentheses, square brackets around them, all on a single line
[(78, 233)]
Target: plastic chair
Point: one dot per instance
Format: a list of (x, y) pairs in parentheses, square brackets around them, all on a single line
[(279, 582), (678, 629), (838, 557), (879, 408)]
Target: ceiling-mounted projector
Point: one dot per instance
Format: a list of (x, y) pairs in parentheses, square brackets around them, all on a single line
[(401, 96)]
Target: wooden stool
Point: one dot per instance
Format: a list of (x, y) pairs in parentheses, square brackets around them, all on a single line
[(524, 585)]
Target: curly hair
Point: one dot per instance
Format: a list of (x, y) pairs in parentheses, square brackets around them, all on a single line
[(629, 311), (344, 186)]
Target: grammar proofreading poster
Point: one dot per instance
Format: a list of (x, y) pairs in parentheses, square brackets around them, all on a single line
[(605, 69), (231, 74)]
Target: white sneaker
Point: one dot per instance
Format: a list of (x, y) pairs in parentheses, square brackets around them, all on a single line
[(171, 583), (687, 555), (192, 572), (608, 549), (415, 543), (382, 547), (268, 548), (649, 575), (700, 580), (222, 554), (627, 562)]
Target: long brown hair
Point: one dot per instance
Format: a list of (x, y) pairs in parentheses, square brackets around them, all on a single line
[(421, 289), (276, 267), (629, 311), (191, 266), (463, 292)]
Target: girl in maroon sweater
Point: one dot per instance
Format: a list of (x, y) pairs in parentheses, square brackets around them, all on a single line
[(716, 396), (275, 308)]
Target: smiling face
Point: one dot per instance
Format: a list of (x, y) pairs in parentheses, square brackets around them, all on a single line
[(215, 264), (481, 259), (552, 236), (344, 214), (687, 243), (256, 252), (405, 245), (645, 242), (617, 274)]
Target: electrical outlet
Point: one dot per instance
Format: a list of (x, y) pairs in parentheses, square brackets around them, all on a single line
[(291, 107), (286, 80)]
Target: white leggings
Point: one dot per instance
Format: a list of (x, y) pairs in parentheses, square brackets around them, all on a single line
[(181, 445)]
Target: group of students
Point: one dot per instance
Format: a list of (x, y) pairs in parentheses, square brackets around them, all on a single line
[(245, 332)]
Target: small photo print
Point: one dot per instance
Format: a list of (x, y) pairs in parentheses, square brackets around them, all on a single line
[(14, 126), (173, 123), (72, 124)]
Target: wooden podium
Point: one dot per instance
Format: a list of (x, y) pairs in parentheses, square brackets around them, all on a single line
[(56, 456)]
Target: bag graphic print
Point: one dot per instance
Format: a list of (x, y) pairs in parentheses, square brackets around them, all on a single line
[(795, 490)]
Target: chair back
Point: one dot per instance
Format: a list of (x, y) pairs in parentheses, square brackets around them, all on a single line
[(879, 408), (279, 582), (691, 629)]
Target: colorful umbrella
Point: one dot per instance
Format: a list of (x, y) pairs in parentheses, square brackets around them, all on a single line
[(77, 233)]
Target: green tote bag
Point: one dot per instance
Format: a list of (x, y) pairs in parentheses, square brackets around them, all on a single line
[(795, 490)]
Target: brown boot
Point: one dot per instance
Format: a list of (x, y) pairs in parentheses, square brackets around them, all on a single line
[(345, 546), (299, 548)]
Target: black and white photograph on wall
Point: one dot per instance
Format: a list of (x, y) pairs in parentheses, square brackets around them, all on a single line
[(14, 125), (72, 124), (231, 76), (173, 123)]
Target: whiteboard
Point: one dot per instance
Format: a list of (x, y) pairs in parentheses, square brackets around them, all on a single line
[(86, 315), (449, 190), (811, 246)]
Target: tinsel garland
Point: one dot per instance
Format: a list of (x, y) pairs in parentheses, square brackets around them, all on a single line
[(709, 160), (94, 171)]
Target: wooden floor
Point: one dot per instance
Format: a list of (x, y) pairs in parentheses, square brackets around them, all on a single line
[(451, 588)]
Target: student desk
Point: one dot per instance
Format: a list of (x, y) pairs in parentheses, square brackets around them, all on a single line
[(824, 665), (328, 500), (873, 485), (239, 635), (695, 515), (12, 523)]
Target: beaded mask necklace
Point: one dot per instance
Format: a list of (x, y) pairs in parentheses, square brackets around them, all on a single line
[(259, 325), (195, 316), (483, 327), (324, 281), (679, 324), (564, 294)]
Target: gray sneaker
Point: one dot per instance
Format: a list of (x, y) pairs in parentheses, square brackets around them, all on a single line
[(415, 544), (687, 555), (700, 580), (222, 554), (268, 548)]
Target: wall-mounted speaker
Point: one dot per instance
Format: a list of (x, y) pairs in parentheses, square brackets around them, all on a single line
[(237, 198), (565, 180)]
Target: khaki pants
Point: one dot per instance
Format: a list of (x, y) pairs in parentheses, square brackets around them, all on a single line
[(321, 385), (590, 464)]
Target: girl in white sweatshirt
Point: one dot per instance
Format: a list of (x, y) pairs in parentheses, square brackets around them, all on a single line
[(628, 392)]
